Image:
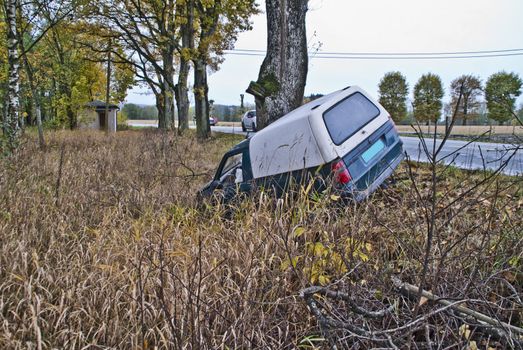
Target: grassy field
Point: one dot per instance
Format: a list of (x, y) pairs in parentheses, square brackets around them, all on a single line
[(104, 246)]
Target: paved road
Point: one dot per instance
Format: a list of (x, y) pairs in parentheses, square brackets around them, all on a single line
[(477, 155), (142, 125)]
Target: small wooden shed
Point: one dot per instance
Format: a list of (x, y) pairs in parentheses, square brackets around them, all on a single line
[(94, 116)]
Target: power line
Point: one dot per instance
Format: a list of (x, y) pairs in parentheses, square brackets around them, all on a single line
[(399, 53), (369, 56)]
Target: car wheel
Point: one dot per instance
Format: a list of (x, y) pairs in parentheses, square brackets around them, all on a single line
[(243, 127)]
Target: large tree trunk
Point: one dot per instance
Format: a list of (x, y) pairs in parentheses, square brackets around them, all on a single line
[(165, 105), (159, 106), (182, 96), (201, 99), (71, 117), (169, 88), (169, 106), (182, 91), (11, 122), (283, 74), (465, 110), (166, 119)]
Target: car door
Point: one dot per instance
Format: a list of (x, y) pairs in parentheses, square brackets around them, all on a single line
[(234, 173)]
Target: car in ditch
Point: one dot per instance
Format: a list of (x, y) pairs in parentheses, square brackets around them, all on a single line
[(345, 140)]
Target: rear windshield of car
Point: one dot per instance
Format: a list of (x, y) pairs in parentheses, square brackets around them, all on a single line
[(348, 116)]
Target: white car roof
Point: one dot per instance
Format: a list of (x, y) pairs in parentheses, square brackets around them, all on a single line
[(300, 139)]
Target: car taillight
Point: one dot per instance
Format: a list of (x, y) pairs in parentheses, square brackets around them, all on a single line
[(341, 174)]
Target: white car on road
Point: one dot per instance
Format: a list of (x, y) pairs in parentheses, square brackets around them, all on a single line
[(249, 120)]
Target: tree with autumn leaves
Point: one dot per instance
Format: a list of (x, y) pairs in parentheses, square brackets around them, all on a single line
[(56, 52), (428, 93), (501, 91), (51, 76), (466, 91), (217, 25), (157, 34), (393, 91)]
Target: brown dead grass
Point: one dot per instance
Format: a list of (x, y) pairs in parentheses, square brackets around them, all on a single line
[(115, 253)]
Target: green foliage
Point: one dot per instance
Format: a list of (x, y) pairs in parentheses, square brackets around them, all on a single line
[(3, 63), (270, 84), (393, 91), (470, 89), (68, 71), (428, 93), (121, 118), (218, 24), (54, 124), (501, 92)]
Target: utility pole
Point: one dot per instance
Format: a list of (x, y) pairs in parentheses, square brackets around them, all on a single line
[(108, 87)]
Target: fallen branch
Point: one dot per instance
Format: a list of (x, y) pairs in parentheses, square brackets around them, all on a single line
[(326, 324), (378, 336), (345, 297), (507, 330)]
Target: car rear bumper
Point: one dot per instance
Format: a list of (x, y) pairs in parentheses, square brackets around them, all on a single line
[(360, 195)]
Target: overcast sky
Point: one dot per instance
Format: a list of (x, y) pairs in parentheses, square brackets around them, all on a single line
[(382, 26)]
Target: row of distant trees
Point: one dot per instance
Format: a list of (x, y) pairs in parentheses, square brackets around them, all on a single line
[(496, 100), (228, 113), (140, 112), (468, 96)]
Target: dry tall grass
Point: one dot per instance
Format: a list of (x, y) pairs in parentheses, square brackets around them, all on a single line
[(104, 247)]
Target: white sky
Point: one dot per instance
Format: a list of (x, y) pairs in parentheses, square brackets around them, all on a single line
[(382, 26)]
